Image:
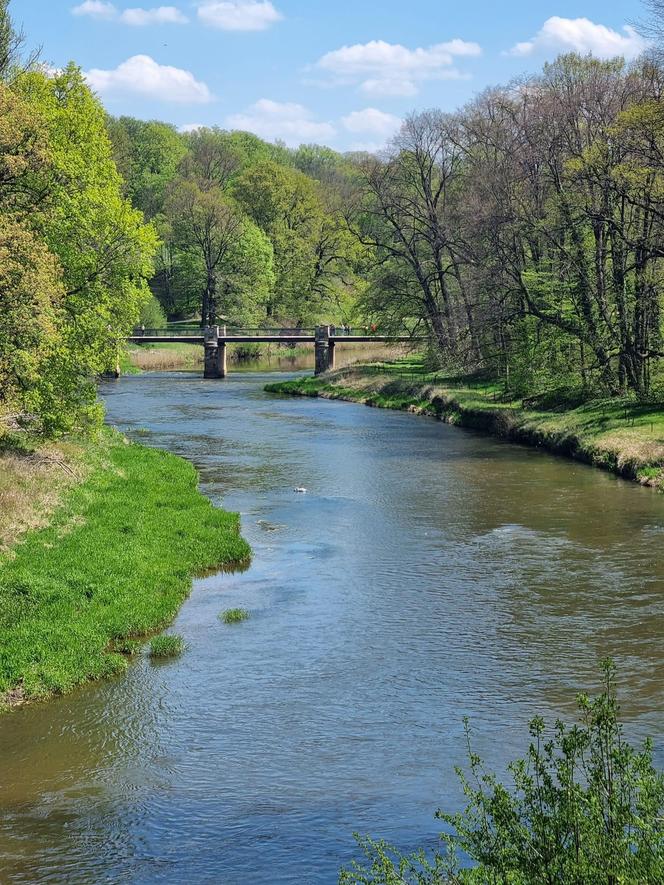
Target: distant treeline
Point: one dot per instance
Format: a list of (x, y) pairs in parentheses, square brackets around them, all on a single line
[(523, 234), (248, 230)]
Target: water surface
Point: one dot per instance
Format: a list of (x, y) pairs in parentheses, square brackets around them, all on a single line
[(428, 573)]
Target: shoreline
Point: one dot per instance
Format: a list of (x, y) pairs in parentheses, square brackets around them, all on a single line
[(112, 560), (612, 435)]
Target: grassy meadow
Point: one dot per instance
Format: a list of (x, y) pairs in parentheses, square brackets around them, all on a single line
[(106, 557)]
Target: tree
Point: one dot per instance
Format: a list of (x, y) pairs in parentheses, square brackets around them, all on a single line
[(311, 246), (653, 26), (31, 299), (11, 44), (148, 155), (213, 159), (60, 187), (234, 256), (583, 807)]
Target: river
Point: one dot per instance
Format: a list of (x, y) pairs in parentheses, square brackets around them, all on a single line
[(428, 573)]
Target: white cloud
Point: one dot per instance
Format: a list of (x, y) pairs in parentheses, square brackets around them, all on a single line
[(137, 16), (96, 9), (239, 15), (191, 127), (581, 35), (287, 121), (372, 121), (141, 75), (391, 69), (160, 15), (387, 86)]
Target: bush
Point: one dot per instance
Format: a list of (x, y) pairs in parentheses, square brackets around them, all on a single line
[(166, 646), (234, 615), (583, 807)]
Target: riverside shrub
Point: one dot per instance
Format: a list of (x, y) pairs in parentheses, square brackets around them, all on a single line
[(583, 807)]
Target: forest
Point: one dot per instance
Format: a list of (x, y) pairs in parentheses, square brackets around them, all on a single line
[(522, 234)]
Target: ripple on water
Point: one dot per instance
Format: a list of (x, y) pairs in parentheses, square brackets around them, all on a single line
[(428, 574)]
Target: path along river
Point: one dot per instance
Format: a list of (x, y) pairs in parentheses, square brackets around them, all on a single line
[(428, 573)]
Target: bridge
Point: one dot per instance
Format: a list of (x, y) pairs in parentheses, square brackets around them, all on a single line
[(215, 340)]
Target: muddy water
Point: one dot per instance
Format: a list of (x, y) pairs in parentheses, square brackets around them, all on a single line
[(428, 573)]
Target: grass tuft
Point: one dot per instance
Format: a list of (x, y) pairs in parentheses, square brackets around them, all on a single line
[(166, 646), (235, 615), (129, 647)]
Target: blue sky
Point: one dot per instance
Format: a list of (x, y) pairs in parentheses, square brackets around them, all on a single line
[(341, 73)]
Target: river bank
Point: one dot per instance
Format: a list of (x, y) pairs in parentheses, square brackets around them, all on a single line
[(101, 540), (621, 436)]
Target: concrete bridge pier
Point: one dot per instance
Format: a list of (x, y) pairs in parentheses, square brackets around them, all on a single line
[(322, 350), (215, 365), (331, 360)]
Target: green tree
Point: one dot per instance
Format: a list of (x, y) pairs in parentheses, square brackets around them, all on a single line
[(311, 245), (31, 351), (148, 155), (234, 256), (102, 245)]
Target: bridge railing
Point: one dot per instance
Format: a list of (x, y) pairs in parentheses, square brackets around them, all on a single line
[(170, 332), (192, 331)]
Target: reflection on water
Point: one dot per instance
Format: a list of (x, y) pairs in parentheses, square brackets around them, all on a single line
[(300, 359), (428, 573)]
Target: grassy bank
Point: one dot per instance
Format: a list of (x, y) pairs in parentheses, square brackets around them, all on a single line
[(618, 435), (113, 558)]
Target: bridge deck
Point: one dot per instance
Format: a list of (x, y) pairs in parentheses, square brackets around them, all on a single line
[(267, 339)]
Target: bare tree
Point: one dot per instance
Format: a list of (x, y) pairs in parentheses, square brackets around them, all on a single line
[(653, 26)]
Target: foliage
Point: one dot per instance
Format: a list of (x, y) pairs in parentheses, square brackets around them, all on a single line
[(584, 806), (77, 255), (116, 561), (238, 186), (31, 296), (166, 646), (529, 222), (152, 315), (233, 256), (147, 155), (234, 615), (311, 246)]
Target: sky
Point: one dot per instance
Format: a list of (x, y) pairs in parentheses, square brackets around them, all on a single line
[(342, 73)]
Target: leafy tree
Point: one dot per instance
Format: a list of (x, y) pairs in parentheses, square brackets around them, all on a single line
[(152, 315), (584, 806), (311, 246), (213, 159), (31, 353), (61, 180), (147, 155), (234, 257)]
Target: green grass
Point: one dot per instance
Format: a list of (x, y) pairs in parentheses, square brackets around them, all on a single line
[(234, 615), (114, 563), (125, 362), (129, 647), (166, 646), (618, 434)]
